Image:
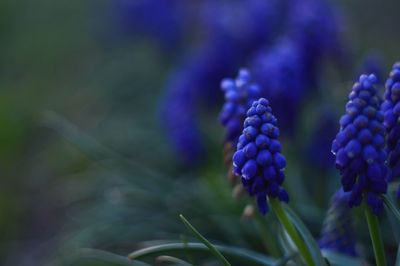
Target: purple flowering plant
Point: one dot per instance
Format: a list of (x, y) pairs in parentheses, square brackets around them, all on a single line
[(211, 132)]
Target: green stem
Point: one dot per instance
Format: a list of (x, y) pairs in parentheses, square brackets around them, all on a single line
[(376, 239), (291, 230)]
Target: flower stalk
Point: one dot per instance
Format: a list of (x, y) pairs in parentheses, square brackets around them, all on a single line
[(291, 230), (375, 234)]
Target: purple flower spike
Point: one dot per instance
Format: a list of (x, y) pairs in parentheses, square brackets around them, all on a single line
[(391, 110), (258, 159), (359, 148), (239, 95), (338, 229)]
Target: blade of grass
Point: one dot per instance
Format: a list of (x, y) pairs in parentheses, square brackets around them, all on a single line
[(172, 260), (185, 242), (104, 256), (201, 238), (245, 257), (391, 206), (337, 259)]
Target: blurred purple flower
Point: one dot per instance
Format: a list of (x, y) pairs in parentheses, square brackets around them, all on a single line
[(246, 24), (391, 110), (280, 72), (161, 20), (289, 70), (316, 26), (338, 230), (178, 116), (318, 147), (239, 95)]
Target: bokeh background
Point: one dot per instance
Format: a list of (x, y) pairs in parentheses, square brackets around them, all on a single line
[(85, 157)]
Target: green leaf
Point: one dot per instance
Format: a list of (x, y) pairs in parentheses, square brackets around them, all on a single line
[(174, 260), (212, 249), (89, 254), (307, 237), (291, 230), (289, 248), (375, 234), (391, 206), (240, 256), (337, 259)]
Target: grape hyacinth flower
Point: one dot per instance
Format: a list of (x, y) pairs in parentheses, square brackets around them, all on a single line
[(337, 230), (258, 159), (239, 95), (178, 114), (391, 110), (279, 70), (360, 155), (259, 162), (359, 146), (316, 26), (145, 18)]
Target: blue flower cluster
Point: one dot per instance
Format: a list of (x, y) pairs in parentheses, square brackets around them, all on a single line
[(337, 231), (258, 159), (315, 26), (391, 109), (177, 116), (247, 25), (359, 146), (239, 95), (279, 70)]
